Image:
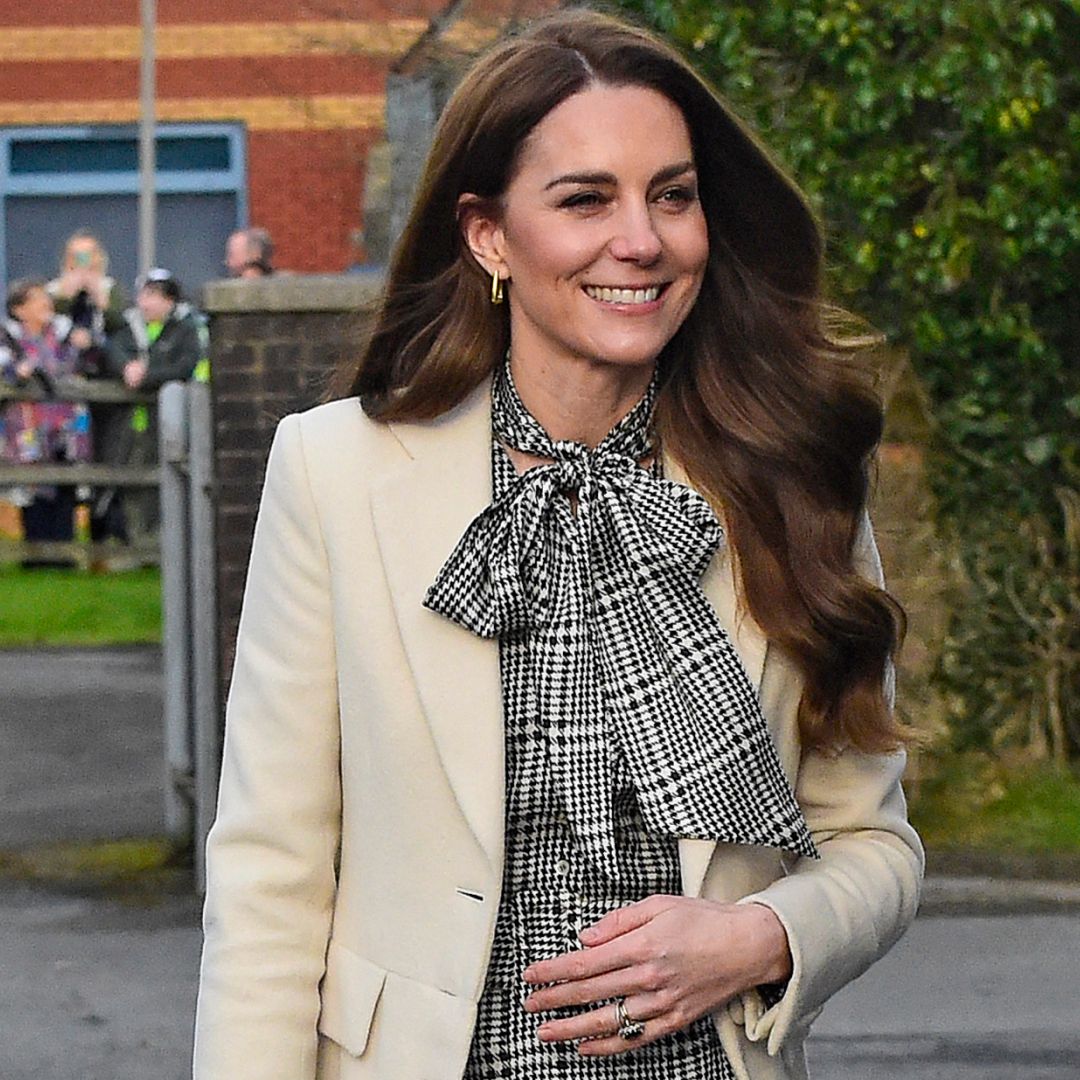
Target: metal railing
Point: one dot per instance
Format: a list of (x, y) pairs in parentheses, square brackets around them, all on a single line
[(189, 615)]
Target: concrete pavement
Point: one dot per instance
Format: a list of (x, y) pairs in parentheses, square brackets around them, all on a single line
[(94, 989), (82, 745), (961, 998)]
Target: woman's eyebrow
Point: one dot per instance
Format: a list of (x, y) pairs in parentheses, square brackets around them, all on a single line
[(669, 172), (582, 178), (672, 171)]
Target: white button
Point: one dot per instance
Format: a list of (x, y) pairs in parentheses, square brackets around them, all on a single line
[(562, 868)]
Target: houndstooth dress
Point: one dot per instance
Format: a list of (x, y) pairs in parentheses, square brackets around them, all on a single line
[(579, 839)]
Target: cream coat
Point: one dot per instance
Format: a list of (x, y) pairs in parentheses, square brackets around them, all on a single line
[(355, 866)]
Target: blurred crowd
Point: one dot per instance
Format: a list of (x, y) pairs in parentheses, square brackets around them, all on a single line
[(80, 325)]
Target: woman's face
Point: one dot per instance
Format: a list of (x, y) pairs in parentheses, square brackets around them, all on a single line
[(35, 311), (602, 234)]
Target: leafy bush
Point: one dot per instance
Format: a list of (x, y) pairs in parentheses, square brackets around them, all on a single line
[(941, 145)]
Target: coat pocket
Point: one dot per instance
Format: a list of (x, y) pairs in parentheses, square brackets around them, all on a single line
[(350, 991)]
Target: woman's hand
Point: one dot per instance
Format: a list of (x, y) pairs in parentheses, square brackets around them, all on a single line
[(671, 958)]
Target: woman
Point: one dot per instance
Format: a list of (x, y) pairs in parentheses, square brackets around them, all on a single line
[(513, 720), (36, 347), (86, 294), (94, 302)]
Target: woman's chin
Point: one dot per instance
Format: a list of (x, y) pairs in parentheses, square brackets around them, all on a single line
[(628, 356)]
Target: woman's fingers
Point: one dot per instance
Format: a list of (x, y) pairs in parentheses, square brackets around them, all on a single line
[(581, 964), (594, 1024), (607, 945), (622, 920), (674, 959), (624, 980), (608, 1045), (602, 1024)]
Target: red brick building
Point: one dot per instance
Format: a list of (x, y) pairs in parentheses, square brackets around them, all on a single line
[(267, 111)]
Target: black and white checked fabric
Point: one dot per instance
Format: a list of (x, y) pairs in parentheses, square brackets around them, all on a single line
[(550, 891), (626, 644)]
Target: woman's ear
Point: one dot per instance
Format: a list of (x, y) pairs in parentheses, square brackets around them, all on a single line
[(483, 233)]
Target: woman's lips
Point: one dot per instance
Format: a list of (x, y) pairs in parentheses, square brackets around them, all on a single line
[(628, 300), (615, 294)]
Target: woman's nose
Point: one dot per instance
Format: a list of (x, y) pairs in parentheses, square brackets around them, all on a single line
[(635, 238)]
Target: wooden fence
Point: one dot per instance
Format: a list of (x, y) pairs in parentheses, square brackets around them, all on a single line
[(81, 550)]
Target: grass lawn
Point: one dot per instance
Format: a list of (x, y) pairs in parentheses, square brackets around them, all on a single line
[(72, 607), (981, 814)]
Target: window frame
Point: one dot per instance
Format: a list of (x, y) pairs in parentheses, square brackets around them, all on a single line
[(232, 181)]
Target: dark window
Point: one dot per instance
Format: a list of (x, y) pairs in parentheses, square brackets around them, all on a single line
[(193, 154)]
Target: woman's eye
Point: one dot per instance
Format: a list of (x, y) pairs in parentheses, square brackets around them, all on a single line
[(583, 200), (678, 196)]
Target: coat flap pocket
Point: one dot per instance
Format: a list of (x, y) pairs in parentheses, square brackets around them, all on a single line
[(350, 991)]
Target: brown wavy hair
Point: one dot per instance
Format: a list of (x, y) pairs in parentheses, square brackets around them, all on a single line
[(762, 401)]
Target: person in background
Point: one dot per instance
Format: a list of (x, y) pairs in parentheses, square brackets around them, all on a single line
[(161, 340), (95, 303), (87, 295), (249, 253), (37, 345)]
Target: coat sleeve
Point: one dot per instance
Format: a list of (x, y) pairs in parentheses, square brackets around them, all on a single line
[(114, 310), (848, 908), (120, 349), (272, 852), (179, 361)]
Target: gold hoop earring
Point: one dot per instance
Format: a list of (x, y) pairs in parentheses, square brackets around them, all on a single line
[(496, 288)]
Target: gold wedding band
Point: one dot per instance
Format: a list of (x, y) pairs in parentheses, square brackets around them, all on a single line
[(629, 1028)]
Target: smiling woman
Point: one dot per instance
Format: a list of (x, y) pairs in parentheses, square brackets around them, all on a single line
[(560, 739), (602, 236)]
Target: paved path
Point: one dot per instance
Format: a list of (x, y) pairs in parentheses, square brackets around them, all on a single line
[(961, 998), (81, 732), (94, 990)]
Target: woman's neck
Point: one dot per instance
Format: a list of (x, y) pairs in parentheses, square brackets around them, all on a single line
[(578, 401)]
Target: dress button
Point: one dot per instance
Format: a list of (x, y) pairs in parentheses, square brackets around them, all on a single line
[(562, 868)]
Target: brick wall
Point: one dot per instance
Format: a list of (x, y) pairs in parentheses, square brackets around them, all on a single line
[(273, 346)]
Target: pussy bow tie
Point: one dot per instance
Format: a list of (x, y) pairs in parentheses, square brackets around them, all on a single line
[(652, 662)]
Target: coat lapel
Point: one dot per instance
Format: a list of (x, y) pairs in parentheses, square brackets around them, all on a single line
[(421, 509)]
